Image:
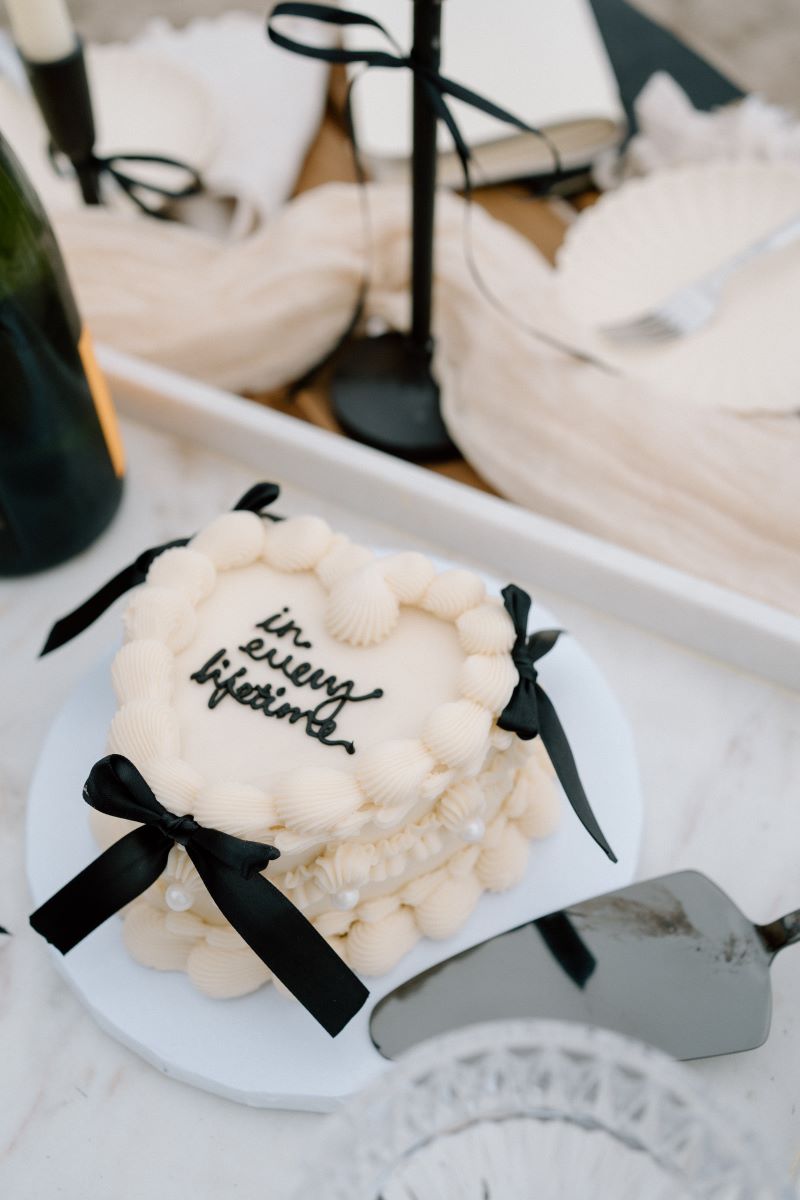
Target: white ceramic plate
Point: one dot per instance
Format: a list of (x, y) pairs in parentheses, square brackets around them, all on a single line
[(653, 235), (265, 1050), (142, 103)]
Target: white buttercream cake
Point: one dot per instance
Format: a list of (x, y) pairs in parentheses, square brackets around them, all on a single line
[(281, 683)]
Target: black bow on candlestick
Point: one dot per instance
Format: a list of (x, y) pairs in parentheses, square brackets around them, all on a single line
[(530, 712), (230, 869), (438, 87), (61, 89), (383, 390), (255, 499), (92, 167)]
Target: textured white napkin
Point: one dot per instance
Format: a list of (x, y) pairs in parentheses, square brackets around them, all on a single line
[(268, 105), (216, 94), (672, 131)]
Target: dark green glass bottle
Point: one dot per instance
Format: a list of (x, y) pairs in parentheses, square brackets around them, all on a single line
[(61, 459)]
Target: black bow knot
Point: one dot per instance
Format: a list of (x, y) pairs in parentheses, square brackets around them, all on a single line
[(438, 87), (230, 868), (178, 829), (521, 714), (523, 661), (255, 500), (530, 712)]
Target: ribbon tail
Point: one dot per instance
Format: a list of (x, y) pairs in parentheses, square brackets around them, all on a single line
[(119, 875), (558, 748), (258, 497), (68, 627), (285, 941), (134, 188), (449, 87), (542, 641)]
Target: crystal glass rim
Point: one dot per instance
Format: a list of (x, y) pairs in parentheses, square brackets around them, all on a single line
[(356, 1152)]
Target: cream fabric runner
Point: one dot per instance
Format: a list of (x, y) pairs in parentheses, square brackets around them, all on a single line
[(715, 494)]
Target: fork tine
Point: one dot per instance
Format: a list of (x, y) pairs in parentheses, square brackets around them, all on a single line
[(655, 326), (680, 314), (626, 329), (661, 330), (689, 308), (643, 329)]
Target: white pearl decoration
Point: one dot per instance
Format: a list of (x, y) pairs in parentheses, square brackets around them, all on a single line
[(473, 831), (346, 900), (177, 899)]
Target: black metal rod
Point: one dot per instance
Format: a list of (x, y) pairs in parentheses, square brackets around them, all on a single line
[(426, 49), (88, 178), (61, 89)]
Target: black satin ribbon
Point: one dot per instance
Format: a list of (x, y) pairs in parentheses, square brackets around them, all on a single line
[(439, 88), (66, 628), (136, 189), (437, 85), (230, 869), (530, 712)]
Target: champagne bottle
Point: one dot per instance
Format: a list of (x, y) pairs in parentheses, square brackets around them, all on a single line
[(61, 458)]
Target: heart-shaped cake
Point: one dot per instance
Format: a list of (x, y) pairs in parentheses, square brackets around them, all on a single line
[(282, 684)]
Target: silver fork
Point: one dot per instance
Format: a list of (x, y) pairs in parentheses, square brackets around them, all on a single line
[(692, 306)]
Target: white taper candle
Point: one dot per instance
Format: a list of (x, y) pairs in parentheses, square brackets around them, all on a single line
[(42, 29)]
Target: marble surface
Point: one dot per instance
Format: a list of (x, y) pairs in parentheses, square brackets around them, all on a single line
[(82, 1118)]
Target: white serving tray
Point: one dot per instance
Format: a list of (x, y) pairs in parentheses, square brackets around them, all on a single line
[(471, 525)]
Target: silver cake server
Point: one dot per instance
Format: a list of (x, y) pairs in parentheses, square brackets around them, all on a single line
[(671, 961)]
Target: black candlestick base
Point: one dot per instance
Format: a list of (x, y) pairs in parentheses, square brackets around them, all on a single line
[(383, 393)]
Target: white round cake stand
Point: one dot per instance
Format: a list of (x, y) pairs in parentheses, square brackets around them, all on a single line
[(265, 1050)]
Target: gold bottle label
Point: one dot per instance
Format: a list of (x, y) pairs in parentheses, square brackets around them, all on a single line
[(103, 403)]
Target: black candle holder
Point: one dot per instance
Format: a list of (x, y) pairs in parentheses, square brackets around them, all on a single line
[(61, 89), (383, 391)]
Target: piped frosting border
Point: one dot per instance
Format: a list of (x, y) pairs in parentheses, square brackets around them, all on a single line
[(365, 594)]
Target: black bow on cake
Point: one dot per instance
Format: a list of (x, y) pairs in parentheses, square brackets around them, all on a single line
[(255, 499), (530, 712), (230, 869)]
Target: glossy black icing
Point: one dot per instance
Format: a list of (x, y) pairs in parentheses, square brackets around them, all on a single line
[(320, 719)]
